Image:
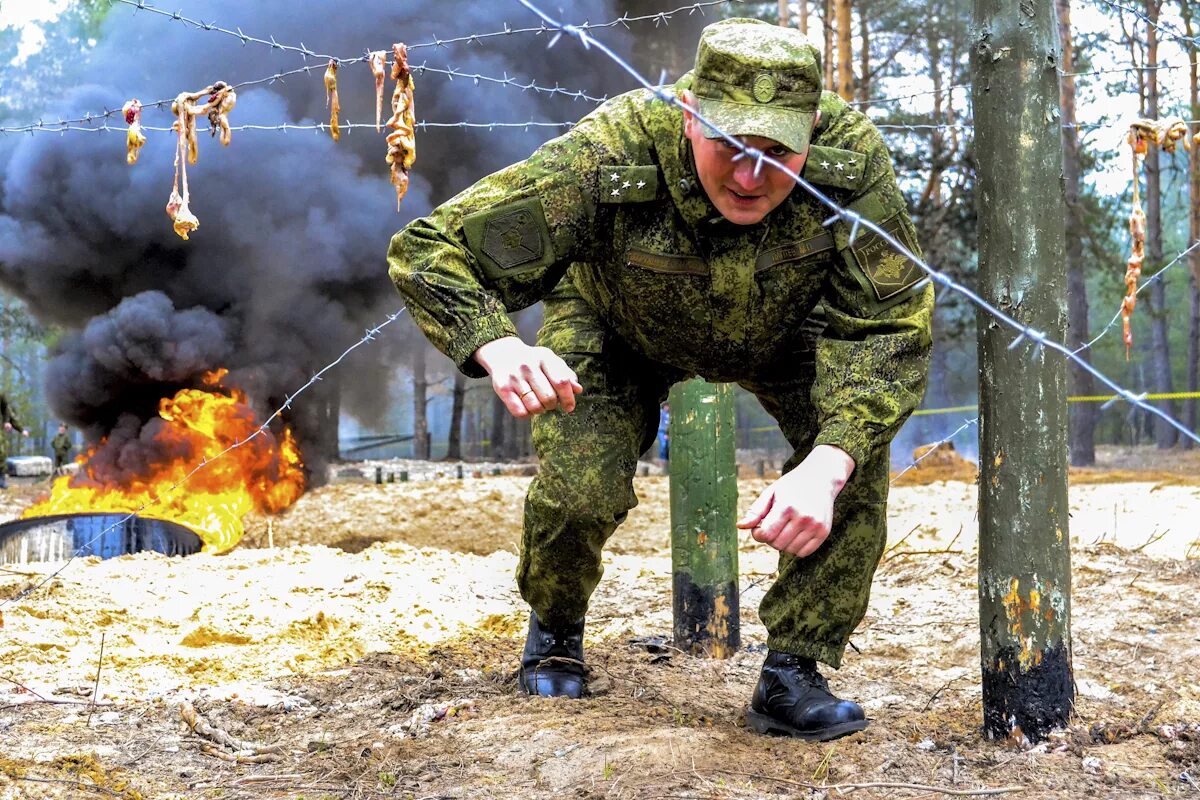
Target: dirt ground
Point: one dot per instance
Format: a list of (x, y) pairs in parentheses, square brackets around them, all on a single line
[(370, 653)]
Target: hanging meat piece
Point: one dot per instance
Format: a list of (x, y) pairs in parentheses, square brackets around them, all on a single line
[(331, 99), (378, 61), (187, 150), (402, 145), (134, 139), (220, 103)]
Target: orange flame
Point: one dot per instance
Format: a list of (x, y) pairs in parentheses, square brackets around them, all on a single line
[(264, 473)]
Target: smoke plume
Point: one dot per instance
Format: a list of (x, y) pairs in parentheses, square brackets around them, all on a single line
[(287, 267)]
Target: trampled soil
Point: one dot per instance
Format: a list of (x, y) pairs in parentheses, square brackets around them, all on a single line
[(374, 648)]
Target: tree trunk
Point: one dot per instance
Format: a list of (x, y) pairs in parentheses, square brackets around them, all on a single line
[(420, 401), (830, 55), (1024, 543), (454, 438), (864, 58), (804, 17), (1193, 367), (1164, 434), (845, 32), (498, 429), (1193, 364), (783, 13), (1082, 415)]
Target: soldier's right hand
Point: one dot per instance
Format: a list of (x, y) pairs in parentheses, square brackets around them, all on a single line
[(528, 380)]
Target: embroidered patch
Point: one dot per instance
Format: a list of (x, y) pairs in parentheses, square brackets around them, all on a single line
[(628, 184), (764, 88), (832, 166), (510, 239), (888, 273)]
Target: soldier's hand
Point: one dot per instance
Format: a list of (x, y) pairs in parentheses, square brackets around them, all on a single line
[(25, 433), (8, 426), (529, 380), (795, 513)]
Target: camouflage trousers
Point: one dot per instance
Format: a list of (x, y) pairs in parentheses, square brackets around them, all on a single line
[(584, 487)]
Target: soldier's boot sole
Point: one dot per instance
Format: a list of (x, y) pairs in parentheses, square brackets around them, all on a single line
[(770, 726)]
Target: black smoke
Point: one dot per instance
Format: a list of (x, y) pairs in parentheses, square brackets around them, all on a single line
[(287, 267)]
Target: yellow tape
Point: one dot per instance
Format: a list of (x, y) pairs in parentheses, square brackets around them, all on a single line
[(1088, 398)]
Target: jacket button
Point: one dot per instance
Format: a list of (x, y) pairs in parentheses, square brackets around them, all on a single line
[(685, 185)]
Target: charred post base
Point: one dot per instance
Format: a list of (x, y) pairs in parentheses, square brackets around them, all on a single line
[(707, 618), (1030, 702)]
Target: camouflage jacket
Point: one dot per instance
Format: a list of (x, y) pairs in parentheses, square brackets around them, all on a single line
[(7, 416), (618, 203)]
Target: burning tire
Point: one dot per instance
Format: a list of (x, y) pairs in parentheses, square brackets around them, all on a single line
[(56, 538)]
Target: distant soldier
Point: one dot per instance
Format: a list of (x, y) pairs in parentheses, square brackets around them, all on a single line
[(10, 424), (62, 448)]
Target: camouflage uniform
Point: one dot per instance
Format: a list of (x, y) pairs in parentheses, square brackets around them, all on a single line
[(7, 417), (646, 284), (61, 444)]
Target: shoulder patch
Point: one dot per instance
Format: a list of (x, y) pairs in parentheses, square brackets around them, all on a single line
[(627, 184), (886, 274), (510, 239), (832, 166)]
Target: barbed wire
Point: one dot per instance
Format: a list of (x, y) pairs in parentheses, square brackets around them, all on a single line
[(1179, 258), (1171, 31), (931, 450), (450, 73), (659, 18), (1037, 339), (319, 127), (369, 336)]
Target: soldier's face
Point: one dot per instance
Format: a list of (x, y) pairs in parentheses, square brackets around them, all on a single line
[(742, 197)]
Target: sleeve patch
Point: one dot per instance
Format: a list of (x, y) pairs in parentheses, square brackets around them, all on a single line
[(888, 273), (627, 184), (510, 239), (833, 166)]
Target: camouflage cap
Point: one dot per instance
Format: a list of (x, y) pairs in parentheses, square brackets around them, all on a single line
[(753, 78)]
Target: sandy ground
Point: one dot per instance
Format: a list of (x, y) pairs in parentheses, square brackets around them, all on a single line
[(370, 654)]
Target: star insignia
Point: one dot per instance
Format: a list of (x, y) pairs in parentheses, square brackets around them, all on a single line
[(616, 192), (626, 185), (851, 176), (852, 162), (615, 177), (641, 184), (825, 164), (839, 166)]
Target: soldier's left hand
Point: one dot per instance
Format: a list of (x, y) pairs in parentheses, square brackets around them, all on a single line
[(795, 513)]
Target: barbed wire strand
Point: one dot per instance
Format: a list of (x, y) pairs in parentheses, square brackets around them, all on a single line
[(450, 73), (1170, 30), (659, 18), (931, 450), (1037, 339), (319, 127), (369, 336), (1178, 259)]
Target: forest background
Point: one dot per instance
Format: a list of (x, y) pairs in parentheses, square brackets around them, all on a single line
[(903, 63)]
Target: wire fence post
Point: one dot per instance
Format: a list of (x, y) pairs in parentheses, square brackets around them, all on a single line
[(704, 543), (1024, 545)]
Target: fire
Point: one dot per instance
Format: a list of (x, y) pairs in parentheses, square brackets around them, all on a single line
[(263, 473)]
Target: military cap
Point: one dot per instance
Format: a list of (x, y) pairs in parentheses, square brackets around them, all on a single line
[(753, 78)]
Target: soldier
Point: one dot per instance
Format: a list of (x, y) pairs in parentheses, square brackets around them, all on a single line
[(10, 423), (660, 256), (61, 444)]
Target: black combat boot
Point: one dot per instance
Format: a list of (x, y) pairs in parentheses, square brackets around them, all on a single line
[(552, 664), (793, 699)]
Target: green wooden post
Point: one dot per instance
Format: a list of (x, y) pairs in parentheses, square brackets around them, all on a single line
[(1024, 544), (704, 555)]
